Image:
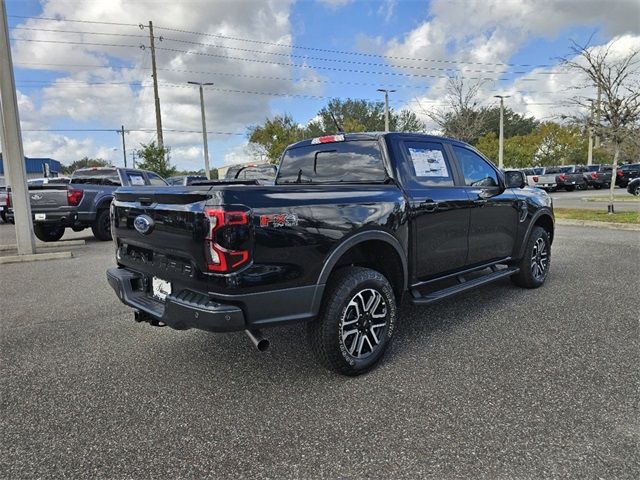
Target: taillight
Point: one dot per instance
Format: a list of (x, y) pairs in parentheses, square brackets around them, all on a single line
[(229, 239), (594, 175), (562, 177), (619, 173), (74, 195), (535, 179), (8, 201)]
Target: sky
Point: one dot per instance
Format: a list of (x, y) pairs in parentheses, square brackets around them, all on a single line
[(86, 65)]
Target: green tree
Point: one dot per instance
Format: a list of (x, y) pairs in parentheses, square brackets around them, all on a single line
[(355, 115), (561, 145), (156, 159), (85, 162), (514, 123), (271, 138)]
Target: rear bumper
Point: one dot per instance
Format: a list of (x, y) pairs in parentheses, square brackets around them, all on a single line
[(63, 218), (184, 310)]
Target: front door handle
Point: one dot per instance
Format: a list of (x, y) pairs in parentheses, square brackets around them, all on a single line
[(429, 206)]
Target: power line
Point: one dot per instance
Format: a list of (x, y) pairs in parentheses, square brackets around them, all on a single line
[(335, 60), (241, 75), (269, 62), (143, 130), (74, 21), (51, 30), (286, 45), (345, 52)]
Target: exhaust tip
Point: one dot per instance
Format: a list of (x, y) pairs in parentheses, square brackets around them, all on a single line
[(258, 340), (263, 345)]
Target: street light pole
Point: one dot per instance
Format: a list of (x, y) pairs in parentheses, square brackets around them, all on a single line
[(205, 142), (12, 149), (501, 140), (590, 151), (386, 107)]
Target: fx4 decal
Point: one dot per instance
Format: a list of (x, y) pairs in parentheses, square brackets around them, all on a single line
[(279, 220)]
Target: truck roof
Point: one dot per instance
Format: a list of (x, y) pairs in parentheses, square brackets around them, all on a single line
[(346, 137)]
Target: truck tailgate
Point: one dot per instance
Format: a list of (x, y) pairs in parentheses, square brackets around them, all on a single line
[(164, 225), (48, 198)]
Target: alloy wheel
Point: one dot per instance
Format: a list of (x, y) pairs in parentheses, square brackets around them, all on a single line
[(363, 323), (539, 259)]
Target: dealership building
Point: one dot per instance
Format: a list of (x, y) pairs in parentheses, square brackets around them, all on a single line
[(36, 168)]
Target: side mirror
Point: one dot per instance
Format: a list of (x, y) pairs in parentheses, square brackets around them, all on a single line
[(515, 179)]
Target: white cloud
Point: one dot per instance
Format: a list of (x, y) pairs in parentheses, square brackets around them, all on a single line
[(102, 98), (334, 4)]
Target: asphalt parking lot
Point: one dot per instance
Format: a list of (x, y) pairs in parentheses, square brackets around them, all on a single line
[(499, 383)]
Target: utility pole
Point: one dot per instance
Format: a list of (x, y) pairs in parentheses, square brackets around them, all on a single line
[(205, 142), (386, 107), (598, 114), (501, 140), (590, 151), (124, 148), (12, 143), (154, 73)]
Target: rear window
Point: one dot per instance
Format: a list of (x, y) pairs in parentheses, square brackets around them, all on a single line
[(559, 170), (255, 172), (106, 176), (358, 161)]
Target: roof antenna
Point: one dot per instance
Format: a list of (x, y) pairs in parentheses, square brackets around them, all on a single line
[(340, 129)]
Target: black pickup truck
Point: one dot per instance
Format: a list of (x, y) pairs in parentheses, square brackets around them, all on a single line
[(353, 223)]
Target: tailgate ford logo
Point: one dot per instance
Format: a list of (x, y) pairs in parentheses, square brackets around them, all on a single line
[(143, 224), (35, 196)]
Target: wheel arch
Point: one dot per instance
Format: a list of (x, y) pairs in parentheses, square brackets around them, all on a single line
[(377, 250), (544, 219), (104, 202)]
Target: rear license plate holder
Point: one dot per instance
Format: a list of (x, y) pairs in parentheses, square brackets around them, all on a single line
[(160, 288)]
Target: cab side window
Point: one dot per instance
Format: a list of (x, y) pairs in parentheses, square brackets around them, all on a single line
[(156, 179), (476, 170), (428, 164)]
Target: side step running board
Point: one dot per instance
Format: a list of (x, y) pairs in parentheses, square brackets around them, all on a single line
[(417, 299)]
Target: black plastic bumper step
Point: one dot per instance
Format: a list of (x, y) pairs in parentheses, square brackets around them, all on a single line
[(418, 299)]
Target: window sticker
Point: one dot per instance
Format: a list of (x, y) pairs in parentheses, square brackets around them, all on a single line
[(428, 163), (136, 179)]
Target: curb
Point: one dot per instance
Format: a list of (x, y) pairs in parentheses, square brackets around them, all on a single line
[(36, 257), (607, 225), (60, 244)]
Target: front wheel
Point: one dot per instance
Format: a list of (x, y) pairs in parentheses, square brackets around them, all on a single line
[(536, 261), (356, 323), (48, 233), (636, 190), (101, 227)]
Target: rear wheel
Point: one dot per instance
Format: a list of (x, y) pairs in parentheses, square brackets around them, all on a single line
[(356, 322), (101, 227), (48, 233), (636, 189), (3, 215), (570, 189), (536, 261)]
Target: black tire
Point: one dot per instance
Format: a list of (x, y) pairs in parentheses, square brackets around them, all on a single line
[(636, 189), (597, 186), (351, 290), (570, 189), (3, 215), (101, 227), (48, 233), (536, 261)]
